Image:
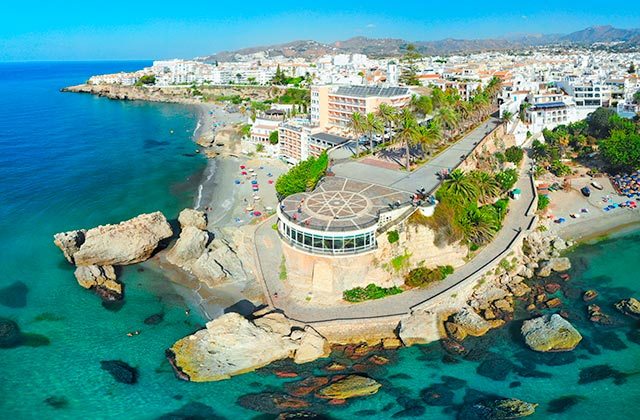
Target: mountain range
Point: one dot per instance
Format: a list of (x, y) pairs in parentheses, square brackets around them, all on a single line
[(392, 47)]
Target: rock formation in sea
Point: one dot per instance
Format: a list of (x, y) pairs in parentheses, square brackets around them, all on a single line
[(231, 345), (349, 387), (96, 251), (629, 307), (550, 333), (212, 260)]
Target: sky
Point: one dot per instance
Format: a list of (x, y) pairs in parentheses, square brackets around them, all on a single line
[(141, 29)]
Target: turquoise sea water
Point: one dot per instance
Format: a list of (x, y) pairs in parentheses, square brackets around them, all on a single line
[(69, 161)]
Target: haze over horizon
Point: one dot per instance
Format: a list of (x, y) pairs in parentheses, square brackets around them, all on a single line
[(70, 31)]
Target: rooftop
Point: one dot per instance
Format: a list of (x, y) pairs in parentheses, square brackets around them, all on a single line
[(371, 91), (330, 138), (549, 105), (340, 204)]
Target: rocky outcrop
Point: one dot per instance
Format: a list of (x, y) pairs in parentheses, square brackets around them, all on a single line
[(503, 408), (550, 333), (231, 345), (312, 346), (629, 307), (349, 387), (96, 251), (191, 217), (468, 322), (420, 327), (69, 242), (128, 242), (189, 247), (101, 278), (554, 264)]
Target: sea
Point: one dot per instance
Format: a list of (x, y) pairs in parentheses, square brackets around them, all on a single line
[(70, 161)]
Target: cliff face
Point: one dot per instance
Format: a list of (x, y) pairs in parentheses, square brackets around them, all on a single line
[(175, 94)]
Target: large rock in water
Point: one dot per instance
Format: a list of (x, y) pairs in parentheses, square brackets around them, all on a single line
[(194, 218), (468, 322), (101, 278), (128, 242), (629, 307), (550, 333), (230, 345), (554, 264), (189, 247), (504, 408), (349, 387), (312, 346)]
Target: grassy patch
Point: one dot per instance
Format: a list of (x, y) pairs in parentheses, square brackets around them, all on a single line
[(283, 269), (423, 276), (372, 291), (399, 262)]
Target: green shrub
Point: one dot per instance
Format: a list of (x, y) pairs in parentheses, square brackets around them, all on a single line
[(514, 154), (423, 276), (147, 79), (259, 147), (559, 169), (273, 137), (543, 202), (393, 236), (507, 179), (372, 291), (501, 207), (302, 177)]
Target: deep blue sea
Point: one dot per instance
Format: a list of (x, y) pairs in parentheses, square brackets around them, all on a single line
[(70, 161)]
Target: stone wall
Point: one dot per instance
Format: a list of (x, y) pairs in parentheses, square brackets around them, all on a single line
[(497, 141)]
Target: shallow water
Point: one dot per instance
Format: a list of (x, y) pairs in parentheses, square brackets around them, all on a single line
[(69, 161)]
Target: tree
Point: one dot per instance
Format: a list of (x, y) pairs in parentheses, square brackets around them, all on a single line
[(622, 150), (507, 116), (636, 97), (447, 118), (372, 126), (479, 224), (302, 177), (599, 122), (631, 69), (357, 125), (147, 79), (425, 136), (273, 137), (486, 185), (461, 186), (387, 114), (408, 76), (421, 105), (507, 179), (245, 130), (514, 154), (405, 133)]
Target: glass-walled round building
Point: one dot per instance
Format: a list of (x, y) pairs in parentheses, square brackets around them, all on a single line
[(340, 217)]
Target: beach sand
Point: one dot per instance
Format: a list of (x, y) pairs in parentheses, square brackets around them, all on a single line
[(594, 223)]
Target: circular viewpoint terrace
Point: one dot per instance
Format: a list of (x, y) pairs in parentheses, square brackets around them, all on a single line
[(341, 216)]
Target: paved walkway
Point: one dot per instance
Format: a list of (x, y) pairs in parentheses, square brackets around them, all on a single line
[(269, 253), (424, 177)]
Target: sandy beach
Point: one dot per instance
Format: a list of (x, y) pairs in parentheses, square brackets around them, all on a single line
[(593, 220)]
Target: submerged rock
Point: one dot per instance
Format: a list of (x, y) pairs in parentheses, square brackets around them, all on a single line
[(57, 402), (599, 373), (504, 408), (271, 402), (120, 371), (349, 387), (10, 335), (550, 333), (154, 319), (306, 386), (14, 295), (629, 307), (437, 394), (229, 345), (128, 242), (562, 404), (192, 411)]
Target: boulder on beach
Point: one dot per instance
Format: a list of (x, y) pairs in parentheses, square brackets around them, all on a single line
[(312, 346), (194, 218), (189, 247), (128, 242), (468, 322), (629, 307), (219, 264), (229, 345), (100, 278), (550, 333), (420, 327), (349, 387)]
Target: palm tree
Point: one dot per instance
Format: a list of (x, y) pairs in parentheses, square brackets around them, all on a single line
[(447, 118), (460, 185), (387, 114), (357, 126), (422, 105), (406, 133), (424, 136), (479, 226), (486, 185), (372, 125)]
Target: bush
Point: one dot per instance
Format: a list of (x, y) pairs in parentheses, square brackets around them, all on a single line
[(543, 202), (147, 79), (259, 147), (501, 207), (507, 179), (302, 177), (422, 276), (514, 154), (273, 137), (370, 292), (559, 169), (393, 236)]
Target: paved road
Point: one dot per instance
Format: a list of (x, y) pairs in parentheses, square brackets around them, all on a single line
[(423, 177), (268, 250)]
